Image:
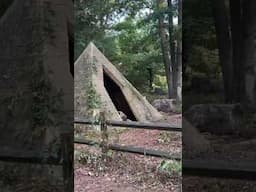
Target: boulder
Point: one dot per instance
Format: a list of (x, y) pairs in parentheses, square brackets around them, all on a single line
[(218, 119), (165, 105)]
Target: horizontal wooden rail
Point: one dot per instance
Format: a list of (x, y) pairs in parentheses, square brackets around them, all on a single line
[(142, 151), (220, 169), (26, 157), (134, 124), (140, 125), (131, 149), (86, 142), (86, 122)]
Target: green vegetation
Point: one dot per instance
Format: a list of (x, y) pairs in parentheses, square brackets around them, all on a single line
[(170, 166), (93, 99)]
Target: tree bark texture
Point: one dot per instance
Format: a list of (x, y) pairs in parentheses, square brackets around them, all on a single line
[(179, 54), (165, 50), (173, 50), (249, 51), (225, 47)]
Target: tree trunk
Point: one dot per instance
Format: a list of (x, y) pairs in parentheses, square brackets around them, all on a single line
[(172, 49), (165, 50), (236, 30), (225, 47), (150, 77), (249, 52), (179, 54)]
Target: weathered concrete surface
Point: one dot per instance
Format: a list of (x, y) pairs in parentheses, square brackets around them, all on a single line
[(89, 70), (193, 142), (36, 86)]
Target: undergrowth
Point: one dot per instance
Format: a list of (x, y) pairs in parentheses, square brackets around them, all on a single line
[(170, 166)]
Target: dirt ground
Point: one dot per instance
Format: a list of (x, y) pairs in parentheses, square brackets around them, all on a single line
[(204, 184), (124, 172), (228, 148)]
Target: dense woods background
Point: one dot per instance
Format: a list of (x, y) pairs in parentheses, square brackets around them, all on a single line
[(219, 51)]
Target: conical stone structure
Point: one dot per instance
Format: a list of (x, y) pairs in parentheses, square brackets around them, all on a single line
[(99, 86), (36, 89)]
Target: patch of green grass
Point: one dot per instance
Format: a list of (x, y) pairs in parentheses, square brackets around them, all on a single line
[(170, 166)]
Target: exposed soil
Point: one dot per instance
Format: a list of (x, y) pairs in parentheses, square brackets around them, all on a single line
[(228, 148), (124, 172), (202, 184)]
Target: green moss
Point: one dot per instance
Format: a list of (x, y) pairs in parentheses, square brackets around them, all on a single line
[(46, 108), (93, 99)]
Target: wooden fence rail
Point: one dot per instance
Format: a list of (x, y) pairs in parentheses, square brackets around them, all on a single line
[(220, 169), (140, 125), (132, 124), (38, 157), (105, 146), (26, 157), (131, 149)]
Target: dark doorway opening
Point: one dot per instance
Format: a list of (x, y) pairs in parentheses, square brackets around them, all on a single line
[(118, 97)]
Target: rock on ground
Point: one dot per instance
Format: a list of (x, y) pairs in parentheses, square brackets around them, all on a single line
[(217, 119), (165, 105)]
